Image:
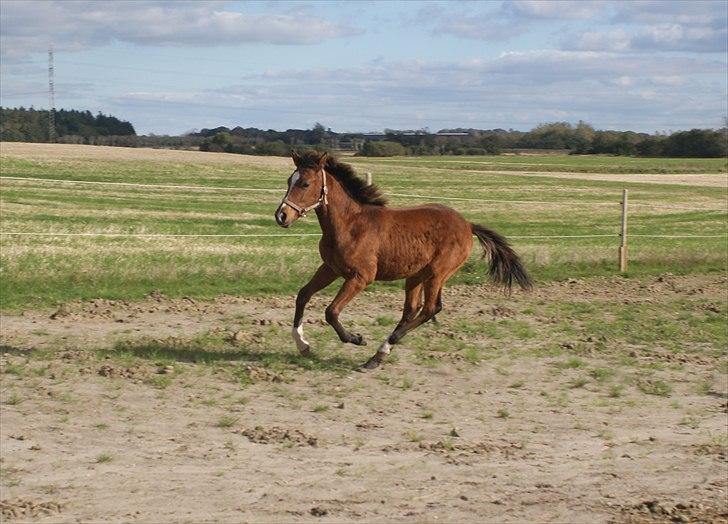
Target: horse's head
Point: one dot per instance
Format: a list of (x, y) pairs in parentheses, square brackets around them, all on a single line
[(307, 188)]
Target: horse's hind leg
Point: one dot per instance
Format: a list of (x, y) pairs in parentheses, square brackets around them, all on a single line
[(438, 307), (322, 278), (412, 300), (432, 288)]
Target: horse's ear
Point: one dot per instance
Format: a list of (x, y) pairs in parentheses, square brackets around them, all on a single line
[(296, 157), (322, 159)]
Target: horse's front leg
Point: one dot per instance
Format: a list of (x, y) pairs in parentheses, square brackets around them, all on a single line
[(352, 286), (323, 277)]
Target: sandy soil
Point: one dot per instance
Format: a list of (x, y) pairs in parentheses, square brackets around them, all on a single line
[(94, 439)]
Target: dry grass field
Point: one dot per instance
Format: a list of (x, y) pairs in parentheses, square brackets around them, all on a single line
[(219, 194), (154, 379)]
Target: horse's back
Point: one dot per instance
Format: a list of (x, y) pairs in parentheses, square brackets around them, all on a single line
[(413, 239)]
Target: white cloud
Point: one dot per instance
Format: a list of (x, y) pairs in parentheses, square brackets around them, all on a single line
[(516, 89), (662, 37), (667, 26), (557, 9), (30, 26)]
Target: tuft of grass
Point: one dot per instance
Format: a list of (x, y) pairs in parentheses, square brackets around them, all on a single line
[(601, 374), (578, 383), (651, 386), (571, 363), (159, 381), (472, 355), (384, 320), (14, 399), (15, 369), (503, 413), (615, 390), (103, 458), (427, 415), (226, 421), (320, 408), (690, 421), (414, 436), (704, 387)]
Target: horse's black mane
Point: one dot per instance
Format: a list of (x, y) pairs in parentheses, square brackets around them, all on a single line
[(344, 173)]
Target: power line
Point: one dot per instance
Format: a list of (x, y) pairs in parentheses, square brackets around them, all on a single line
[(51, 99)]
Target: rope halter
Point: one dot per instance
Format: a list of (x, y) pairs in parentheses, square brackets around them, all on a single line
[(323, 199)]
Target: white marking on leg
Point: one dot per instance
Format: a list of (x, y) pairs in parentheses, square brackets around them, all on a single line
[(385, 348), (301, 343)]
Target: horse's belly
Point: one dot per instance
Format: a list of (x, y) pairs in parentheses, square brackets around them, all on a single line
[(394, 269)]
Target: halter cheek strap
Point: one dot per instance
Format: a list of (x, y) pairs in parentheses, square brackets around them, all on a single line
[(323, 199)]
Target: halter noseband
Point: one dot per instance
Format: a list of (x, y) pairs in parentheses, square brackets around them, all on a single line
[(323, 199)]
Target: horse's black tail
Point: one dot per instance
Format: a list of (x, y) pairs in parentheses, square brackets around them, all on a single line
[(505, 266)]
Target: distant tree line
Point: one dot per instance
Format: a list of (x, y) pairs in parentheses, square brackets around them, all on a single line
[(31, 125), (581, 138)]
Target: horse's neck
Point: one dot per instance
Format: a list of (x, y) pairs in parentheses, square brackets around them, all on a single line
[(335, 217)]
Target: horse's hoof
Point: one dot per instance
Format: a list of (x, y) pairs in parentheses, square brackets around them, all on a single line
[(306, 352), (358, 340), (372, 363)]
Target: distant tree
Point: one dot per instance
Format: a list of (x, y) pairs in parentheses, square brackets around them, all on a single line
[(276, 148), (491, 144), (31, 125), (652, 146), (382, 148), (317, 135), (697, 143)]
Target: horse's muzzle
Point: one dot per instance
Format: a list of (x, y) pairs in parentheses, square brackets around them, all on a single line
[(284, 217)]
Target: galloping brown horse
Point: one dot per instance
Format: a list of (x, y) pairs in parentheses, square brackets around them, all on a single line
[(364, 240)]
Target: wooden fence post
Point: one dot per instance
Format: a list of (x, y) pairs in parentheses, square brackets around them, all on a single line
[(368, 178), (623, 244)]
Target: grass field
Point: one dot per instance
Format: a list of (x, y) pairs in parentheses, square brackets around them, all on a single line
[(42, 271)]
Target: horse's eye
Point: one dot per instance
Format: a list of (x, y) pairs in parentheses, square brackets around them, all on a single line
[(304, 184)]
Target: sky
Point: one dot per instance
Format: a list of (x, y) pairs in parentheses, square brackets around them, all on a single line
[(170, 67)]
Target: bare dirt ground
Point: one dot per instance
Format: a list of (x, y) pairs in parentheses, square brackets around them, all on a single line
[(185, 433)]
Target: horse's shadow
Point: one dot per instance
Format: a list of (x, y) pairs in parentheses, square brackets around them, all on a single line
[(13, 350), (192, 353)]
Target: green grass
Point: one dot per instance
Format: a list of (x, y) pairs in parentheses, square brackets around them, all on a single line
[(652, 386), (503, 413), (103, 458), (226, 421), (45, 271)]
